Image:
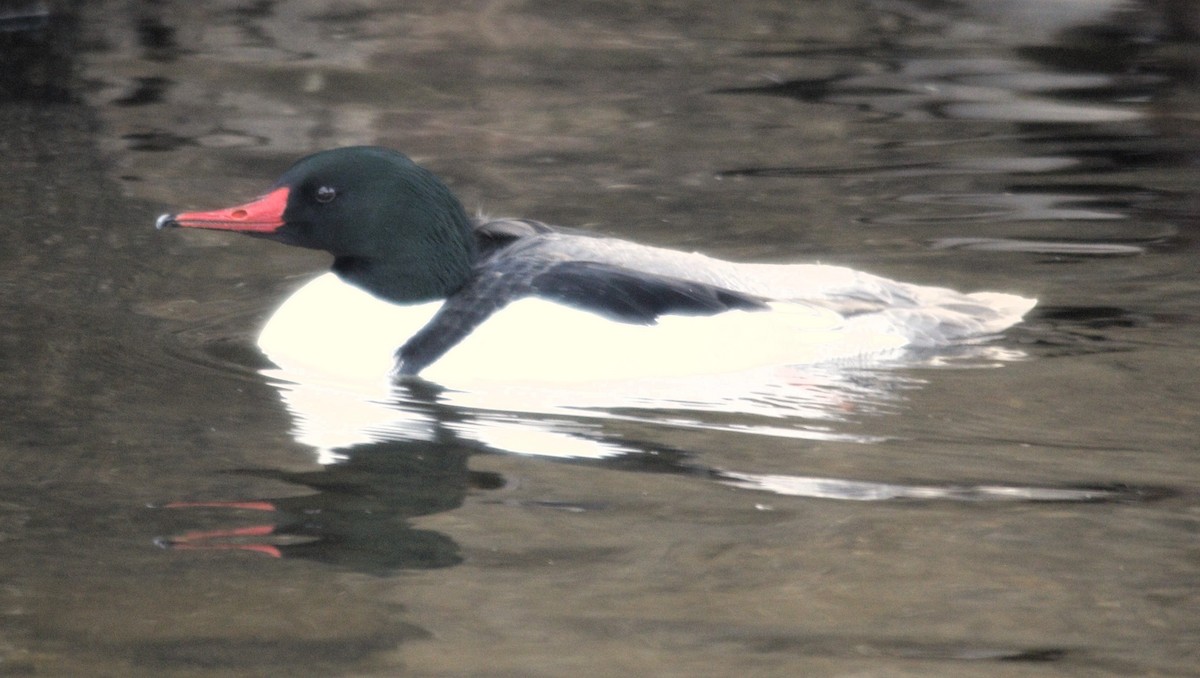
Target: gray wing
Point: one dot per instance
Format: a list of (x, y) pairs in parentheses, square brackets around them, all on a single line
[(614, 292)]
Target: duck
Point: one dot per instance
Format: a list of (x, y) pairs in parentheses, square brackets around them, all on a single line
[(419, 289)]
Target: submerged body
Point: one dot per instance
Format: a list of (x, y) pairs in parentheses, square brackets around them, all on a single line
[(419, 288)]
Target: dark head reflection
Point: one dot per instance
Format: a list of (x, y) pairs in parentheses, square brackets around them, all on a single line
[(357, 515)]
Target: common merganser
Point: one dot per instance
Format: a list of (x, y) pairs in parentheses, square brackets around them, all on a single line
[(433, 291)]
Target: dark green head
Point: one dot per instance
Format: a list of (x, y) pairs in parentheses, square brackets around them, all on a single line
[(393, 228)]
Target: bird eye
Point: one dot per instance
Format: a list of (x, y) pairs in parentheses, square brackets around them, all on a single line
[(326, 194)]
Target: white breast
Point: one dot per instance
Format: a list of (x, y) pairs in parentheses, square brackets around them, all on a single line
[(337, 331)]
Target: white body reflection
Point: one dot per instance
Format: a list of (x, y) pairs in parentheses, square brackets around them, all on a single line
[(553, 420), (844, 373)]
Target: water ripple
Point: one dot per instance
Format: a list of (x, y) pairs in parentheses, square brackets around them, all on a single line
[(857, 490)]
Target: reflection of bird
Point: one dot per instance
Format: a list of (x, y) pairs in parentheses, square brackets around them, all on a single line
[(358, 516), (515, 297)]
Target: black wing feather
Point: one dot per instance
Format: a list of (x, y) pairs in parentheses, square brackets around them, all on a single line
[(635, 297), (614, 292)]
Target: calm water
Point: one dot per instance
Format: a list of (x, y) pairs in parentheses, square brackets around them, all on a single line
[(1025, 509)]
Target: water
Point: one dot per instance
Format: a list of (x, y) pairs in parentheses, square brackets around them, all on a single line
[(1026, 510)]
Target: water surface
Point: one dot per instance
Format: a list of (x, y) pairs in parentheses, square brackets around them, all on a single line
[(1028, 509)]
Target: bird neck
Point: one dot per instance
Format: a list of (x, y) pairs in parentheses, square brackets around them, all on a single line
[(423, 269)]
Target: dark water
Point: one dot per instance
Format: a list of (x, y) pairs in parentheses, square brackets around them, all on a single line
[(1026, 510)]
